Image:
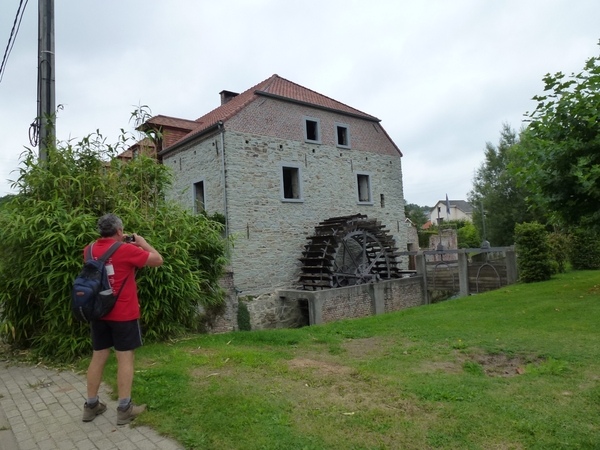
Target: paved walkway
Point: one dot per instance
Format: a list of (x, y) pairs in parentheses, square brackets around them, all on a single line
[(42, 409)]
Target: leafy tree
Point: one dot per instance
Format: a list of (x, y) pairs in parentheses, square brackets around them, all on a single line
[(417, 214), (495, 190), (468, 236), (45, 227), (559, 159)]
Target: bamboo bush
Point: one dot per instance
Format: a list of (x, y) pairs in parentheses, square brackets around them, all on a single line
[(46, 225)]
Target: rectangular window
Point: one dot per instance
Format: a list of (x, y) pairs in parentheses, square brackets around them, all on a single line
[(342, 135), (291, 183), (198, 197), (363, 184), (312, 130)]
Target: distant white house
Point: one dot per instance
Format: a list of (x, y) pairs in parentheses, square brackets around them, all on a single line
[(451, 210)]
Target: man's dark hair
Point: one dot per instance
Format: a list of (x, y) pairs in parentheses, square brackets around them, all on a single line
[(108, 225)]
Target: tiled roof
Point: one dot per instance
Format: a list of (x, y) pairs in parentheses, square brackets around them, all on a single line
[(273, 86), (283, 88), (462, 205), (173, 122)]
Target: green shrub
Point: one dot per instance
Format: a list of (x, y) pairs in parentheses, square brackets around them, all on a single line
[(45, 227), (424, 236), (468, 236), (534, 260), (243, 317), (559, 251), (585, 250)]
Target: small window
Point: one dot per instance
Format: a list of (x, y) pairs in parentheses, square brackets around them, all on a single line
[(291, 183), (363, 184), (312, 130), (199, 197), (342, 135)]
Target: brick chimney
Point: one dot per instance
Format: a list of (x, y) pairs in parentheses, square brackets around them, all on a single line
[(226, 96)]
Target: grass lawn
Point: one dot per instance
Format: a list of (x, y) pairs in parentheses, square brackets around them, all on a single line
[(517, 368)]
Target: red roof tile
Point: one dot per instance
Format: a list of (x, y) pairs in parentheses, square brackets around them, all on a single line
[(172, 122), (273, 86)]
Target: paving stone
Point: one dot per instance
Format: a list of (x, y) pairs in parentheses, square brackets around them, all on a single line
[(44, 407)]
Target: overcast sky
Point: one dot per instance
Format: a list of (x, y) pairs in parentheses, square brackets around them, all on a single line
[(441, 75)]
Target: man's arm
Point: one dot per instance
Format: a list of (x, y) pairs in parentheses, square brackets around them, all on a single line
[(154, 258)]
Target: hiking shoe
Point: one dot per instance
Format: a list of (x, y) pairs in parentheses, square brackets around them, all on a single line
[(90, 412), (124, 416)]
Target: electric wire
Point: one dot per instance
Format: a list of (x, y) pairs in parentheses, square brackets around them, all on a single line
[(13, 36)]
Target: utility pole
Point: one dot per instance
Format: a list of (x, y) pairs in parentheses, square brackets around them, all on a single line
[(46, 116)]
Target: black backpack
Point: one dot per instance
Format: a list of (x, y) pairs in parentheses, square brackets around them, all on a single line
[(91, 296)]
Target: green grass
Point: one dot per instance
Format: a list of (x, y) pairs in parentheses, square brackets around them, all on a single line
[(517, 368)]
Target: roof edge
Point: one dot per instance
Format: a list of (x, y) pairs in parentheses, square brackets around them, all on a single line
[(324, 108), (188, 139)]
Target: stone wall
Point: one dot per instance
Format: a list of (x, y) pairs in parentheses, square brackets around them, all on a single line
[(403, 295), (226, 319), (270, 311), (198, 162), (350, 303), (330, 305)]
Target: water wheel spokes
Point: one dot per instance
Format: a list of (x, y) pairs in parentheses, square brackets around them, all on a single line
[(348, 250)]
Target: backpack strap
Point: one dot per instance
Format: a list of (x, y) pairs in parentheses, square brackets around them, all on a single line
[(107, 254)]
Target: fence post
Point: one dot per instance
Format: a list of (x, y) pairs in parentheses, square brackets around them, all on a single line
[(463, 273), (512, 272), (422, 270)]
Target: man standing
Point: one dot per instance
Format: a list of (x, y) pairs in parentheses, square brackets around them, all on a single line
[(120, 328)]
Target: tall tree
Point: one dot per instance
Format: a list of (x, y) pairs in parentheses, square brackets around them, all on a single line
[(416, 213), (559, 159), (495, 191)]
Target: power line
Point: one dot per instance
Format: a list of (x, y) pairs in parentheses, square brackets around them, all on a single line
[(13, 36)]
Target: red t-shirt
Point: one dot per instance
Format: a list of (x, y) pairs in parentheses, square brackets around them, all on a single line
[(124, 262)]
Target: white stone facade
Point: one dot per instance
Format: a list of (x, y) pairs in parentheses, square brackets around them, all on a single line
[(270, 232)]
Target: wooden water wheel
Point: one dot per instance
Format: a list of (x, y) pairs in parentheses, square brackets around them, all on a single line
[(348, 250)]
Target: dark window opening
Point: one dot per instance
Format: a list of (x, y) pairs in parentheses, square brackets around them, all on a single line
[(364, 188), (312, 130), (342, 136), (291, 182), (199, 197)]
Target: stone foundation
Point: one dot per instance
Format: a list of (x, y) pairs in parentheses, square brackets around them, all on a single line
[(330, 305), (270, 311)]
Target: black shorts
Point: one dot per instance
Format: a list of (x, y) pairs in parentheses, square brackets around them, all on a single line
[(123, 336)]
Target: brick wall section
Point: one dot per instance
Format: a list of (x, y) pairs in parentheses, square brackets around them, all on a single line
[(404, 295), (352, 306), (270, 233), (283, 120)]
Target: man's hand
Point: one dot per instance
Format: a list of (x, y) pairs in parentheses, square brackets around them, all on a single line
[(154, 258)]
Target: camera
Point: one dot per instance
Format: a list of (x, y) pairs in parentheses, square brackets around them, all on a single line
[(129, 238)]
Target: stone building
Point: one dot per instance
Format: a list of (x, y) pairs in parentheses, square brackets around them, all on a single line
[(276, 160)]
